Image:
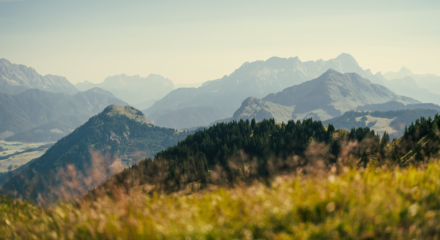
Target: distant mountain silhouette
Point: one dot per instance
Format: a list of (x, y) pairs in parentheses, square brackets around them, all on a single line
[(403, 72), (107, 143), (138, 91), (256, 79), (327, 96), (37, 116), (16, 78), (429, 82), (407, 86)]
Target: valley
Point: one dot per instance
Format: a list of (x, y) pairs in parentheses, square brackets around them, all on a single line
[(16, 154)]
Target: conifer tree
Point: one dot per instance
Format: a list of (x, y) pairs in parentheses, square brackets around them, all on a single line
[(385, 139), (253, 123)]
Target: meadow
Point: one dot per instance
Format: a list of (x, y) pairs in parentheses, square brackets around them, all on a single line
[(383, 202)]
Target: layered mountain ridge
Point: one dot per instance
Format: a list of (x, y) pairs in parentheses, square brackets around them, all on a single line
[(39, 116), (255, 79), (428, 82), (140, 92), (327, 96), (407, 86)]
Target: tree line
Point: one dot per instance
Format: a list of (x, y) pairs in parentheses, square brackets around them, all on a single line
[(245, 150)]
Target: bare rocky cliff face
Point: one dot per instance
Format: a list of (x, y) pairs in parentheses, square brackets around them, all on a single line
[(16, 78)]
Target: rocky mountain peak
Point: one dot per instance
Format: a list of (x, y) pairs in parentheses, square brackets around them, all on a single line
[(15, 78), (127, 111), (345, 57)]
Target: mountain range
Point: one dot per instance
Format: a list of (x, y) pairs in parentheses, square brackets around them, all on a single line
[(37, 108), (138, 91), (39, 116), (325, 97), (16, 78), (255, 79), (116, 138)]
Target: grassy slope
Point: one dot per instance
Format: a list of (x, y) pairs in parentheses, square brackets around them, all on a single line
[(393, 122), (373, 203)]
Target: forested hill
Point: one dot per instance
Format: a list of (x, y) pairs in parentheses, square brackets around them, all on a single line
[(242, 150), (116, 138)]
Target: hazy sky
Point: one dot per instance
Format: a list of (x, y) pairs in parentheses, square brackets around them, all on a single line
[(194, 41)]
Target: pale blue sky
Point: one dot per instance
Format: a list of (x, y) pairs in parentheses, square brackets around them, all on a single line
[(195, 41)]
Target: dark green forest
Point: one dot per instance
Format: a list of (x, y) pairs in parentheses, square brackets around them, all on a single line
[(246, 150), (420, 142)]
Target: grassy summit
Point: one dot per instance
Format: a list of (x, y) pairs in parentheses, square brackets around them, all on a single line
[(129, 112)]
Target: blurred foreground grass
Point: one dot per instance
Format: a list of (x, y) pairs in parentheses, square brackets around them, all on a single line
[(355, 204)]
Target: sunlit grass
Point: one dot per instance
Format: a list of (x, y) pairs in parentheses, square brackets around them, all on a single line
[(353, 204)]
